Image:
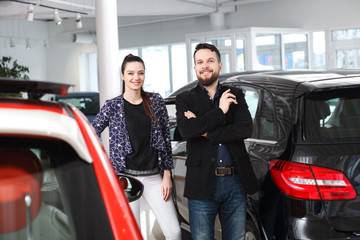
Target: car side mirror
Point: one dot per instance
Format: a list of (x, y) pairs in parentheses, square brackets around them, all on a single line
[(132, 187)]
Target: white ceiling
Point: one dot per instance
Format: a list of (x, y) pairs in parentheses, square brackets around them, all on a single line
[(44, 9)]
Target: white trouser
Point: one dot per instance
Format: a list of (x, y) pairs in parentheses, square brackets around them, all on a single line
[(164, 211)]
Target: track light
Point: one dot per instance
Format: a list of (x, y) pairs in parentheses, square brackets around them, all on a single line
[(30, 13), (28, 44), (12, 43), (78, 21), (57, 18)]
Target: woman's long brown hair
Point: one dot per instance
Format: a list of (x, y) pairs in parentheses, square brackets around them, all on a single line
[(148, 110)]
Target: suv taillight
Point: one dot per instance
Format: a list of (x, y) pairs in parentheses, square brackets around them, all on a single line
[(311, 182)]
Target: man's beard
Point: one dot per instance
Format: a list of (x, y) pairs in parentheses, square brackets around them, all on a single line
[(209, 81)]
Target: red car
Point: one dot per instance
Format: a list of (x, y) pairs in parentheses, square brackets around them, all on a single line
[(56, 180)]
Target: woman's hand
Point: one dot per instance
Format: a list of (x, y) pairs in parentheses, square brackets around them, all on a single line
[(166, 185)]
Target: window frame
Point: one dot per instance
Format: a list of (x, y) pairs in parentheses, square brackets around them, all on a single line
[(257, 117)]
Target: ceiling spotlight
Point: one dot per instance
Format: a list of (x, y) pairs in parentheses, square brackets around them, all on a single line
[(57, 18), (78, 21), (30, 13), (12, 43), (28, 44)]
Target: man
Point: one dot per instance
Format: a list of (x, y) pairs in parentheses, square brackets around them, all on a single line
[(215, 120)]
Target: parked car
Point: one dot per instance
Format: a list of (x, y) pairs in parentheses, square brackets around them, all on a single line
[(304, 149), (87, 102), (56, 181)]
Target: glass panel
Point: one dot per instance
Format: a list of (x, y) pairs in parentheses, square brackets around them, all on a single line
[(124, 52), (333, 116), (345, 34), (267, 119), (225, 59), (93, 72), (224, 41), (319, 50), (178, 65), (296, 51), (348, 58), (193, 44), (252, 100), (47, 179), (157, 69), (240, 53), (86, 102), (268, 51)]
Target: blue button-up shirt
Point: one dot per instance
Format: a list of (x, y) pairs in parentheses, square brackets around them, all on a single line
[(223, 158)]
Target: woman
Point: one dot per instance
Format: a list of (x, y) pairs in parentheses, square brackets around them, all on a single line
[(140, 143)]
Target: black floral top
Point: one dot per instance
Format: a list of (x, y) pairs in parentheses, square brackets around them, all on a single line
[(112, 115)]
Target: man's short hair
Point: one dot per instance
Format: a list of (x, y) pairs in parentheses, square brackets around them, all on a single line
[(208, 46)]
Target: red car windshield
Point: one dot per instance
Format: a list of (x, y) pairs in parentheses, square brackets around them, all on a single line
[(46, 186)]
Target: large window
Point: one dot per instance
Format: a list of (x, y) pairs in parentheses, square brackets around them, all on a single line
[(157, 69), (240, 52), (193, 44), (223, 43), (296, 51), (166, 68), (348, 58), (124, 52), (256, 48), (178, 66), (268, 51), (344, 48), (345, 34), (318, 50)]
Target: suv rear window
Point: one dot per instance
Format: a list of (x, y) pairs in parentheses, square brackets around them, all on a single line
[(88, 105), (333, 116)]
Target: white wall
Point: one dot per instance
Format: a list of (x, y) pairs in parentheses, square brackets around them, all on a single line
[(173, 31), (36, 57), (305, 14), (60, 62)]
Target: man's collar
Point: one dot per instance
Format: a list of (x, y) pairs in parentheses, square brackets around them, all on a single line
[(206, 91)]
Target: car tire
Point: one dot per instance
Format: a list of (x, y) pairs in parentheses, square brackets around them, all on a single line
[(252, 232)]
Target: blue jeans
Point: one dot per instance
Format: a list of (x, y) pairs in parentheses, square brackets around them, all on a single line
[(228, 199)]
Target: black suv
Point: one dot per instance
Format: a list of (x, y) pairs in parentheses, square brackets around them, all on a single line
[(87, 102), (305, 151)]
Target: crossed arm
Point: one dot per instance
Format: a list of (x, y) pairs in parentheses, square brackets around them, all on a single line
[(212, 124)]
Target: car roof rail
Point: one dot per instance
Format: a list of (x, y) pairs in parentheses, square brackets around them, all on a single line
[(34, 89)]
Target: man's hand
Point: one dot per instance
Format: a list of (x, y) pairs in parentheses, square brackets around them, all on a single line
[(189, 114), (227, 98)]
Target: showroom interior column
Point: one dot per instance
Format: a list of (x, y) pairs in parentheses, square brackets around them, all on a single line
[(107, 51)]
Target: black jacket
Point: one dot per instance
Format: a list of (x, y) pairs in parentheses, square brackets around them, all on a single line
[(230, 129)]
